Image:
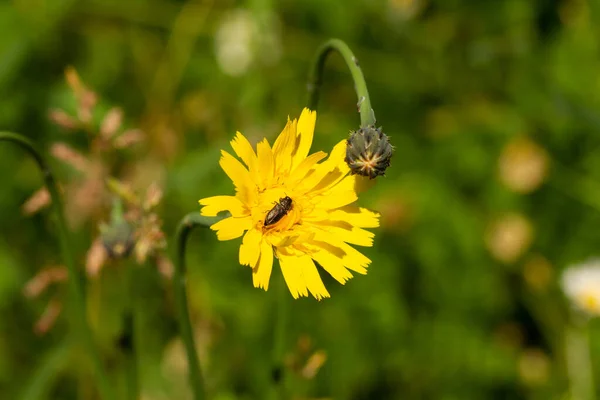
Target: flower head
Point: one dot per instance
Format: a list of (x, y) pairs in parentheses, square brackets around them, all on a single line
[(581, 284), (290, 205)]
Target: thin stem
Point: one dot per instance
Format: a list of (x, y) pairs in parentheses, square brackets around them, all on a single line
[(75, 281), (128, 346), (367, 115), (579, 363), (128, 341), (280, 337), (186, 225)]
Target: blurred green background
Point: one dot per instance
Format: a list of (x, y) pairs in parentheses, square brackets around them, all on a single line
[(494, 188)]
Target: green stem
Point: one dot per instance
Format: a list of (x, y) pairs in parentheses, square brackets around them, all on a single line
[(75, 281), (186, 225), (367, 115), (579, 364), (280, 337), (129, 342)]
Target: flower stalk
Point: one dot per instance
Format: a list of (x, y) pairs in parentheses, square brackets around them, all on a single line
[(368, 151), (579, 363), (280, 338), (75, 283), (128, 342), (367, 115), (185, 227)]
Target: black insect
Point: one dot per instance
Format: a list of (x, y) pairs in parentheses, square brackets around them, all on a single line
[(279, 211)]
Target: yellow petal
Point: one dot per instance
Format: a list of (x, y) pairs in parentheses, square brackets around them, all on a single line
[(338, 156), (338, 171), (349, 256), (312, 278), (354, 259), (346, 232), (302, 169), (287, 136), (357, 216), (266, 164), (291, 267), (328, 173), (340, 194), (250, 248), (238, 174), (336, 200), (232, 227), (333, 265), (244, 150), (283, 148), (216, 204), (285, 238), (304, 136), (262, 273), (363, 183), (347, 183), (278, 239)]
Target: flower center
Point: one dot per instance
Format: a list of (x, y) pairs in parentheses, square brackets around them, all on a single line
[(589, 301)]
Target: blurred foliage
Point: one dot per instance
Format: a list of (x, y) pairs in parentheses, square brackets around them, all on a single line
[(494, 110)]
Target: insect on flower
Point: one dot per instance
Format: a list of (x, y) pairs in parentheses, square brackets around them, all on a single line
[(279, 211)]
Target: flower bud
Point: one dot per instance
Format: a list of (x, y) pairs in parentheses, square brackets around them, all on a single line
[(117, 236), (368, 152), (117, 239)]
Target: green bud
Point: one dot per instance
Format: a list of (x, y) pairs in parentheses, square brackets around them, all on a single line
[(117, 236), (368, 152)]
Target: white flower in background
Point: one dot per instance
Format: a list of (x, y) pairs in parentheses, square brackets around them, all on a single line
[(244, 38), (581, 284), (233, 42)]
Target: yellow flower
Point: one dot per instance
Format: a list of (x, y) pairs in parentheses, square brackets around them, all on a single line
[(321, 223)]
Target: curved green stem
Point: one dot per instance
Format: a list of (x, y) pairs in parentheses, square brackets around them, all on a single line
[(186, 225), (367, 115), (75, 282)]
